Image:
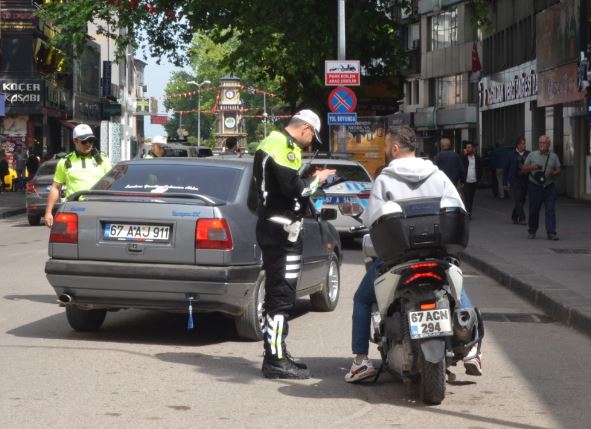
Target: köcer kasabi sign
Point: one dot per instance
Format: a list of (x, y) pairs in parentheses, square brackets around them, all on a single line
[(23, 96)]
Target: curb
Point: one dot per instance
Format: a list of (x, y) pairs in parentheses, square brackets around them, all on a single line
[(13, 212), (558, 302)]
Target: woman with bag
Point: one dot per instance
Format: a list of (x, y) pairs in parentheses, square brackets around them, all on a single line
[(542, 166)]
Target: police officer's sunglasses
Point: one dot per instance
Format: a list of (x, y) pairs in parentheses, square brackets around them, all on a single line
[(88, 141)]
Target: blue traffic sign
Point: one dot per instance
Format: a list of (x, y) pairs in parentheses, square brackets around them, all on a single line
[(342, 100), (342, 118)]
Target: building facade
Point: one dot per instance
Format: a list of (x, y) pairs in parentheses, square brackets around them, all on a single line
[(530, 84), (441, 96)]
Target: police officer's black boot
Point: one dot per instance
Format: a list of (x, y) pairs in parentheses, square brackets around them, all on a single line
[(277, 362)]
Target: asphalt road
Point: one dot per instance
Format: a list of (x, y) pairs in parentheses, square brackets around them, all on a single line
[(143, 369)]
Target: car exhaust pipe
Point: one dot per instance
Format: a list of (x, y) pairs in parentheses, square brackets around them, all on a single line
[(64, 298)]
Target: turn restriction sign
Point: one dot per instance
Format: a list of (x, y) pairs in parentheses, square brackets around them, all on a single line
[(342, 100)]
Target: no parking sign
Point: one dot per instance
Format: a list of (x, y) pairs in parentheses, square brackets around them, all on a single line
[(342, 100)]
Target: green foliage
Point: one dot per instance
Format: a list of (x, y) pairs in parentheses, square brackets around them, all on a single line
[(252, 147), (480, 16), (285, 42)]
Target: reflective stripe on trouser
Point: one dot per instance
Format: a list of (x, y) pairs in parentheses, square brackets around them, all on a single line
[(275, 333)]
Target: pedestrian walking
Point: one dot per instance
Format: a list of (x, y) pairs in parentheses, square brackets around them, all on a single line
[(78, 170), (471, 163), (517, 180), (283, 198), (449, 162), (19, 160), (542, 166), (4, 171), (158, 148)]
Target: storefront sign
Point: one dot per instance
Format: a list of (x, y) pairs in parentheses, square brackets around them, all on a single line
[(511, 86), (22, 95), (557, 32), (110, 109), (559, 86), (86, 109)]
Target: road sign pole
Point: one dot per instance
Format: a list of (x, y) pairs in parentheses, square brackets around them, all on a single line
[(341, 54)]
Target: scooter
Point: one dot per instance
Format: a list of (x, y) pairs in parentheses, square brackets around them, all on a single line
[(418, 326)]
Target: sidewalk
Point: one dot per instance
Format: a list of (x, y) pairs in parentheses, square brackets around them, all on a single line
[(555, 275), (12, 204)]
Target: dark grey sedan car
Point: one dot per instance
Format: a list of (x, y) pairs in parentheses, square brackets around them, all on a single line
[(158, 234), (37, 190)]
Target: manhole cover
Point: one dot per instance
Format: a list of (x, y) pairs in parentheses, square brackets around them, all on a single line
[(516, 317), (572, 251)]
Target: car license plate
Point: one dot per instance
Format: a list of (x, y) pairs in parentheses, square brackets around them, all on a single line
[(118, 231), (431, 323)]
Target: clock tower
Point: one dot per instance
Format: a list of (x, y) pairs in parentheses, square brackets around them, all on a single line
[(230, 123)]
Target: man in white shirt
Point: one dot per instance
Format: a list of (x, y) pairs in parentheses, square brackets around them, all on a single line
[(470, 182)]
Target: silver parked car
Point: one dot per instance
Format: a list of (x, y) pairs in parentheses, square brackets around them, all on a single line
[(349, 195), (161, 234), (37, 190)]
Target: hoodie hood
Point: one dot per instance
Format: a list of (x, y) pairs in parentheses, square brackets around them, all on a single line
[(411, 170)]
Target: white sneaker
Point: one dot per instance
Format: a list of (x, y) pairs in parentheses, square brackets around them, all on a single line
[(360, 371), (473, 362)]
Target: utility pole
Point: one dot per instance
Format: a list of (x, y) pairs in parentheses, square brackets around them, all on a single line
[(341, 55), (265, 112)]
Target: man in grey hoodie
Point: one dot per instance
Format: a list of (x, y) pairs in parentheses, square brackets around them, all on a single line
[(406, 176)]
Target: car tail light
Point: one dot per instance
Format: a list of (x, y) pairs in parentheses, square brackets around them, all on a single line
[(30, 187), (64, 229), (363, 195), (213, 234)]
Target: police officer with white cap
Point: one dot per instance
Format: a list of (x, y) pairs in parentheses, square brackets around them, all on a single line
[(283, 197), (158, 149), (78, 170)]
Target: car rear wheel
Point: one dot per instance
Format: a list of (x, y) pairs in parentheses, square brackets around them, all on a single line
[(85, 320), (34, 220), (327, 298), (249, 326)]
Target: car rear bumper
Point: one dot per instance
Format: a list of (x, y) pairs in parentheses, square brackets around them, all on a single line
[(103, 284)]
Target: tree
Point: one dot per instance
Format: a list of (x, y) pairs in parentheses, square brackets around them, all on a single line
[(285, 41)]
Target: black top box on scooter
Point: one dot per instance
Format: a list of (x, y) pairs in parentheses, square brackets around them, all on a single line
[(419, 228)]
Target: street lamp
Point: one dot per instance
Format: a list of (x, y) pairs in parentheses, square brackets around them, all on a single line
[(199, 85)]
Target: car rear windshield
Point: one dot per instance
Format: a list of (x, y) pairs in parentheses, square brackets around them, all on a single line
[(349, 172), (216, 181), (47, 169)]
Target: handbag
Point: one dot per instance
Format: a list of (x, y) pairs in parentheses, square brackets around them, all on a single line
[(540, 176)]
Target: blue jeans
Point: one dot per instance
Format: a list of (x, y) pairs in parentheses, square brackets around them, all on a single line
[(364, 299)]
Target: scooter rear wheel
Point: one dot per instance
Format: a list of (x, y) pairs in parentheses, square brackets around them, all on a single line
[(432, 382)]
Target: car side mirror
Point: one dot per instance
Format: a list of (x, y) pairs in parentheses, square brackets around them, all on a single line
[(328, 214)]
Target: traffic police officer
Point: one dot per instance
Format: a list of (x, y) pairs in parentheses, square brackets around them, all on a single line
[(79, 170), (158, 149), (283, 199)]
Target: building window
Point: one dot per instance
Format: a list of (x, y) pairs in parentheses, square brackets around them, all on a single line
[(448, 90), (415, 92), (444, 29)]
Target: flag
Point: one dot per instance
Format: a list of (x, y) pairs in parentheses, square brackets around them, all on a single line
[(476, 66)]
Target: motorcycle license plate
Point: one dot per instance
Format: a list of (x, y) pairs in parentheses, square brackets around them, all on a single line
[(430, 323)]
